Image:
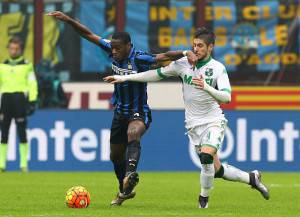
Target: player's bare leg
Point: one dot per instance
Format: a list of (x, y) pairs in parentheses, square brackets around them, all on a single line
[(231, 173)]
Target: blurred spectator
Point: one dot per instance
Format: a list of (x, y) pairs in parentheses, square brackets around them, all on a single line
[(51, 93)]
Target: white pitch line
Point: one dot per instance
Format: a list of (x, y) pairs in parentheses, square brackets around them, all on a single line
[(273, 185)]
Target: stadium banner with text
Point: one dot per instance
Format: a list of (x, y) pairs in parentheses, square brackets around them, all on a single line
[(77, 140), (261, 47), (258, 39)]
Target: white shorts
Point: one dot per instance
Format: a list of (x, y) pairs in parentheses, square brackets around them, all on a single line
[(211, 134)]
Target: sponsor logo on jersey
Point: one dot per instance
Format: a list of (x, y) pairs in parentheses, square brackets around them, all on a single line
[(120, 71), (187, 79)]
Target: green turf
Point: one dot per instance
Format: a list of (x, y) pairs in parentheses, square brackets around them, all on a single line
[(39, 194)]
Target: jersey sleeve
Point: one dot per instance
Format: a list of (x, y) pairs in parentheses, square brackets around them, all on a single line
[(223, 81), (105, 45), (173, 69), (145, 59), (32, 84)]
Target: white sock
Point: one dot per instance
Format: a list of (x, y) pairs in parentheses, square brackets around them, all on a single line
[(206, 179), (232, 173)]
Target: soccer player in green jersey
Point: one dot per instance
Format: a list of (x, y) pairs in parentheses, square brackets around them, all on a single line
[(18, 88)]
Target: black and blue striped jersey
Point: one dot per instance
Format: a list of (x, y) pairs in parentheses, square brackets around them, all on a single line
[(130, 97)]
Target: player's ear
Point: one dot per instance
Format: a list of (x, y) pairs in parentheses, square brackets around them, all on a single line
[(210, 47), (128, 46)]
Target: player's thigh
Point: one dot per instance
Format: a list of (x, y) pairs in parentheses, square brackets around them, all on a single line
[(118, 130), (213, 136), (6, 103), (136, 129), (117, 153), (138, 124), (6, 112), (19, 106)]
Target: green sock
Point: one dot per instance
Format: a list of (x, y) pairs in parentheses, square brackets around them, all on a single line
[(3, 155), (23, 155)]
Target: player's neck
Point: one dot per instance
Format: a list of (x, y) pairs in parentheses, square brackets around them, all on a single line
[(15, 59), (202, 62)]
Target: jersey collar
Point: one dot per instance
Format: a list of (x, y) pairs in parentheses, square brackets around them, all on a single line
[(15, 61), (131, 52), (201, 63)]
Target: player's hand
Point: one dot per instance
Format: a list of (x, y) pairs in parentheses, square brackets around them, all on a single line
[(31, 107), (113, 79), (199, 82), (192, 58), (59, 15)]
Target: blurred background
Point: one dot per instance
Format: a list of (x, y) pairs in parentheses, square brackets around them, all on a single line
[(258, 41)]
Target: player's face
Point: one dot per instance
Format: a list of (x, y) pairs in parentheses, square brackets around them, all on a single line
[(14, 50), (200, 48), (119, 50)]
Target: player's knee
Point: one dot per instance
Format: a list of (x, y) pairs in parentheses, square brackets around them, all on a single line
[(116, 158), (206, 158), (4, 135), (133, 135), (21, 122), (21, 127), (135, 144)]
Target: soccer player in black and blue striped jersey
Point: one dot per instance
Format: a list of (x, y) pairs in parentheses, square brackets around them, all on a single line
[(132, 115)]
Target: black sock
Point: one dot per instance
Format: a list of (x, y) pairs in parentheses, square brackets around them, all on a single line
[(120, 170), (133, 156), (252, 179), (220, 172)]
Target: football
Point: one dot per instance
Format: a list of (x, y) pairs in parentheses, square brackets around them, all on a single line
[(78, 197)]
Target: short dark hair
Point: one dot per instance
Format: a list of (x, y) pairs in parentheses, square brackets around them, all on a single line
[(122, 36), (15, 40), (206, 35)]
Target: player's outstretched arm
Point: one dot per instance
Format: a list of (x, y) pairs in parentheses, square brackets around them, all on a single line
[(80, 28), (222, 96), (175, 55), (146, 76)]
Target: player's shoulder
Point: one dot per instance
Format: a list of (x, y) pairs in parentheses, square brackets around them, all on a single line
[(26, 61), (216, 64), (139, 54), (142, 57), (183, 62)]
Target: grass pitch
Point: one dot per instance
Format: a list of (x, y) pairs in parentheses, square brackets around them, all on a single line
[(42, 194)]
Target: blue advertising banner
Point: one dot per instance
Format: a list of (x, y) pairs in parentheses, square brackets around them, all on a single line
[(64, 140)]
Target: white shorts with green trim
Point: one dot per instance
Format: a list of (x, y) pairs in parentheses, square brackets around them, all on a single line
[(210, 134)]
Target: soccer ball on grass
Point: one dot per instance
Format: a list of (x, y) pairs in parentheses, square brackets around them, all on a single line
[(77, 197)]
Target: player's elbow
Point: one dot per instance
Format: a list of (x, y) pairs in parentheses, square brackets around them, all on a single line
[(228, 99), (161, 57)]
